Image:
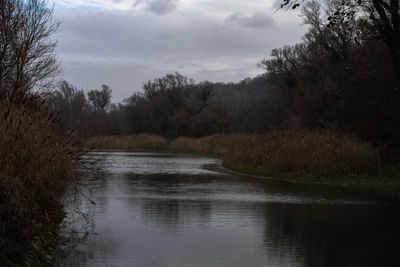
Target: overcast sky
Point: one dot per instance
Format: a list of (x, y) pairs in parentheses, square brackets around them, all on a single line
[(123, 43)]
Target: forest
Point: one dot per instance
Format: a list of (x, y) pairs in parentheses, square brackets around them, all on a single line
[(342, 76)]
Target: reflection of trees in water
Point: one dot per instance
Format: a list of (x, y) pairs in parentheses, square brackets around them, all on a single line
[(99, 189), (173, 215), (157, 208), (163, 182), (325, 235), (87, 249)]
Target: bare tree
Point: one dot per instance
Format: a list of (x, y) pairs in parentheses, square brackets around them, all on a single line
[(27, 60), (285, 62), (100, 99), (70, 103), (382, 17)]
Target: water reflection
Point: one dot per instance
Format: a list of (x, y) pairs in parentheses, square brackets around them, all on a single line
[(165, 210)]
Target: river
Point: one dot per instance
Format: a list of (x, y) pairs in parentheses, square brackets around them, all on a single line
[(164, 209)]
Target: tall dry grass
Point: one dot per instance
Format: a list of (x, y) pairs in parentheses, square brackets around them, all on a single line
[(128, 142), (298, 151), (34, 164)]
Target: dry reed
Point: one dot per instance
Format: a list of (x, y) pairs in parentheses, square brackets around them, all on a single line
[(299, 151), (128, 142), (34, 164)]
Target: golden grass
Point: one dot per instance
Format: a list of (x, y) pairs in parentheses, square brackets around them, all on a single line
[(34, 162)]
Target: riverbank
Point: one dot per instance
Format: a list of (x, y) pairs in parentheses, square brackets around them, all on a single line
[(307, 157), (381, 186)]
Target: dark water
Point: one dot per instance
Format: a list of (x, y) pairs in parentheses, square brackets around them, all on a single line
[(156, 209)]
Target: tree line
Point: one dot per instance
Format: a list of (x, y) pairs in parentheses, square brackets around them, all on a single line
[(172, 106)]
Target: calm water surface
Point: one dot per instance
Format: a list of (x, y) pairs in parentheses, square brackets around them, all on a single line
[(161, 209)]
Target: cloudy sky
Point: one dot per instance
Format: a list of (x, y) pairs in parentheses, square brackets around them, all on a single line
[(124, 43)]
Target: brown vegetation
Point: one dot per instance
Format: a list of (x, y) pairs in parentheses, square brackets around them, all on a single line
[(128, 142), (299, 151), (34, 163), (34, 158)]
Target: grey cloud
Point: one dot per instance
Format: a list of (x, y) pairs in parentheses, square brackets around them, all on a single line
[(257, 20), (125, 50), (158, 7)]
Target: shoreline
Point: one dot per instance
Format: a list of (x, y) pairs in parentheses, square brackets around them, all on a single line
[(379, 187), (367, 186)]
